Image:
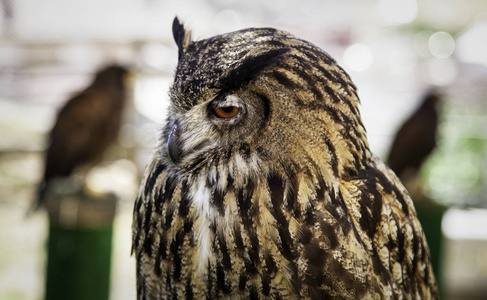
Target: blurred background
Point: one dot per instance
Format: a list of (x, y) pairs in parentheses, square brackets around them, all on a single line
[(396, 51)]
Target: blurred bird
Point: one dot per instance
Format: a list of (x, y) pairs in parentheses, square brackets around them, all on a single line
[(85, 127), (416, 138)]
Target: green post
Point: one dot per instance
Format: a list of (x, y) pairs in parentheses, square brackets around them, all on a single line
[(79, 247), (430, 215)]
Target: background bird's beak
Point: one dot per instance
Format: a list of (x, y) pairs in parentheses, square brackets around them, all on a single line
[(131, 77)]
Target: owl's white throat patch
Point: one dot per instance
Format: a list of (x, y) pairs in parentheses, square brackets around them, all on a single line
[(202, 233)]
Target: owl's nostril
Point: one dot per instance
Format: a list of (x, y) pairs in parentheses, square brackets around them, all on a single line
[(173, 144)]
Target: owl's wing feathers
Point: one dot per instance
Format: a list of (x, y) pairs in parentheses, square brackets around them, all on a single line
[(152, 234), (390, 232)]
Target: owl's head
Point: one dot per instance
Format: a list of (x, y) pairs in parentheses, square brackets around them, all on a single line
[(261, 100)]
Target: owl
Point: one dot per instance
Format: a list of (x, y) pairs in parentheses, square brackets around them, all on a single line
[(263, 185), (85, 126)]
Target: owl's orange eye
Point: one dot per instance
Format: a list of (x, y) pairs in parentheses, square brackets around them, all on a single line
[(226, 111)]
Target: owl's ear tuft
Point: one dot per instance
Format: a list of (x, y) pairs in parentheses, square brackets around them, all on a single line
[(182, 37)]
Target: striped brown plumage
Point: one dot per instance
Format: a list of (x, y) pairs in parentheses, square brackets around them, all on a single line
[(284, 200)]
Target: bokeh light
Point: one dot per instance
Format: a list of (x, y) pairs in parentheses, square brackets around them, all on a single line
[(420, 43), (358, 57), (456, 223), (472, 44), (227, 20), (441, 71), (157, 55), (396, 12), (441, 44), (151, 97)]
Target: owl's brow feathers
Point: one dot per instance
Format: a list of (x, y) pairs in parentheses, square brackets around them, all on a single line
[(251, 65)]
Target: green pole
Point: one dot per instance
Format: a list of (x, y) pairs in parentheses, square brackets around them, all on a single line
[(79, 247), (430, 215)]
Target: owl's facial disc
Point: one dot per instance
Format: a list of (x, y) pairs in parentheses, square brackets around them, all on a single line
[(193, 134)]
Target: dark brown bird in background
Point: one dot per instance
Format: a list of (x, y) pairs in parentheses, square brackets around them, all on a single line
[(415, 139), (85, 127)]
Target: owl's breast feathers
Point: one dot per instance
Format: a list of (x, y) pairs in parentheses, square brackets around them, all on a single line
[(283, 236)]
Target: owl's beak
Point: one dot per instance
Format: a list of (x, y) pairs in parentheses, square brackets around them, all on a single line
[(173, 144), (179, 150)]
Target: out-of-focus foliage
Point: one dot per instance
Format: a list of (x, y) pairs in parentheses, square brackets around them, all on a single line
[(455, 173)]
